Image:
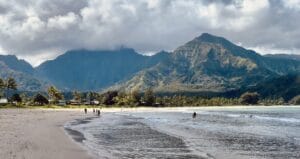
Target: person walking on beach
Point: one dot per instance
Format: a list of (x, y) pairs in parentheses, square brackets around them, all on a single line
[(194, 115), (85, 110)]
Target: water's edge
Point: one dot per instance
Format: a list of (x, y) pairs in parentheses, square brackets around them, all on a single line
[(179, 143)]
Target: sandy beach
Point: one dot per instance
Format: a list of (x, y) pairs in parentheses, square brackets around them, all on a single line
[(38, 134), (216, 133)]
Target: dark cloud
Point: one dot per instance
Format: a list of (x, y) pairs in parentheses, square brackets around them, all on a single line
[(41, 29)]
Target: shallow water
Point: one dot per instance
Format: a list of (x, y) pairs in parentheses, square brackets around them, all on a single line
[(251, 132)]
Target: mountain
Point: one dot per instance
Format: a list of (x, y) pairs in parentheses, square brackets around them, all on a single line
[(284, 56), (287, 86), (14, 63), (209, 63), (21, 71), (94, 70)]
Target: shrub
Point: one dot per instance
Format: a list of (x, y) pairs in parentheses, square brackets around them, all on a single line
[(249, 98), (295, 100)]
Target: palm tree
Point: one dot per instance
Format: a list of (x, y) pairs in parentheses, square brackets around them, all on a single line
[(10, 84), (54, 94), (149, 97), (77, 96), (2, 86)]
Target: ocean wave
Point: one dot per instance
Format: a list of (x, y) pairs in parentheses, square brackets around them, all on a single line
[(290, 120)]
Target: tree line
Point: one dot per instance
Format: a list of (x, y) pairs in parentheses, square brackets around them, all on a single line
[(6, 85), (133, 98), (149, 98)]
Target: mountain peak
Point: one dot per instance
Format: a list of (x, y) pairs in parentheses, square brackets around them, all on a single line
[(216, 41), (206, 37), (17, 64)]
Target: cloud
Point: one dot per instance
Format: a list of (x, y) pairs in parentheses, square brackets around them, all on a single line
[(292, 4), (42, 29)]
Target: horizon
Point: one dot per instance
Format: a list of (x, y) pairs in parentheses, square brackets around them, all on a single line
[(37, 32)]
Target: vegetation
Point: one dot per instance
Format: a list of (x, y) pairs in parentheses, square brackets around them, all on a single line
[(16, 98), (8, 84), (109, 98), (77, 96), (250, 98), (54, 94), (296, 100), (149, 98), (133, 98), (40, 100), (2, 86)]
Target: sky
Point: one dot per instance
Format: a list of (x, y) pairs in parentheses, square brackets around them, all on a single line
[(39, 30)]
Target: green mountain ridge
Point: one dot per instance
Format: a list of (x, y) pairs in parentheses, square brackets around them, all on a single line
[(87, 70), (284, 56), (22, 72), (287, 86), (209, 63)]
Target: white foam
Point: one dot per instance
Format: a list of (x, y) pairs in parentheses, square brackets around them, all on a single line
[(290, 120)]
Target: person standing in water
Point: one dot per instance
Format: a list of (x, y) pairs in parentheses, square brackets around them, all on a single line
[(85, 110), (98, 112), (194, 115)]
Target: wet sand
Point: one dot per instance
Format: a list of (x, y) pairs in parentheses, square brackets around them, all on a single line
[(169, 133), (38, 134), (122, 136)]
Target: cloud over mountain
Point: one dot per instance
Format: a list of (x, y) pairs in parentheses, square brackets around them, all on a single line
[(41, 29)]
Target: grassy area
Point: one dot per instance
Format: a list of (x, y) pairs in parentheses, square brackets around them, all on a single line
[(51, 106), (98, 106), (65, 107)]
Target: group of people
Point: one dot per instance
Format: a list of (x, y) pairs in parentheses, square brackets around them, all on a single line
[(97, 111)]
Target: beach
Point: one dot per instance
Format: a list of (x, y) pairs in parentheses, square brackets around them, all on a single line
[(143, 133), (244, 132), (38, 134)]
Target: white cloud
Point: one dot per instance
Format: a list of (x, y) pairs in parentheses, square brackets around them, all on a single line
[(293, 4), (271, 50), (63, 21), (254, 6), (42, 29)]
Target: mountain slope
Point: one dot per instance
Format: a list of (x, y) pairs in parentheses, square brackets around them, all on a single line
[(21, 71), (287, 86), (209, 63), (18, 65), (93, 70), (284, 56)]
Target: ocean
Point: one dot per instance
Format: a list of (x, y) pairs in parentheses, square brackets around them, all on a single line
[(216, 132)]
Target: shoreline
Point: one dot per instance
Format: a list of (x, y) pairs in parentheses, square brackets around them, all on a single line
[(42, 133), (37, 133), (200, 141), (141, 140), (114, 108)]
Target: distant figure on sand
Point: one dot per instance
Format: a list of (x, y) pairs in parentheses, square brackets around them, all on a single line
[(85, 110), (194, 115), (98, 112), (93, 110)]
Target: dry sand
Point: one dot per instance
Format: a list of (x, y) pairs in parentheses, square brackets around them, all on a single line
[(38, 134)]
